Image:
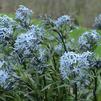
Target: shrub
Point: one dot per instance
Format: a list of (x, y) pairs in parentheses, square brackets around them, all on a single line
[(41, 62)]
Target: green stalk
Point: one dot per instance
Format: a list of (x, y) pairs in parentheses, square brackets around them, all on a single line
[(95, 86), (62, 39), (75, 90), (37, 89), (54, 62), (44, 80)]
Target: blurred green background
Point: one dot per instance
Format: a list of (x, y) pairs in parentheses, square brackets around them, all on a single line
[(84, 10)]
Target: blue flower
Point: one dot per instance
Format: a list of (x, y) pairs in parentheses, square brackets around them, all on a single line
[(65, 19), (7, 22), (3, 78), (88, 40), (97, 23), (27, 42), (5, 34), (24, 15), (72, 62)]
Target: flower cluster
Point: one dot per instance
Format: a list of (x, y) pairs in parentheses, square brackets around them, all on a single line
[(3, 78), (27, 42), (65, 19), (7, 22), (72, 62), (7, 25), (5, 34), (7, 75), (85, 59), (24, 15), (67, 63), (37, 31), (97, 23), (89, 40)]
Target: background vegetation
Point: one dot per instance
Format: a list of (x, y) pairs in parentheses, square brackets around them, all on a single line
[(84, 10)]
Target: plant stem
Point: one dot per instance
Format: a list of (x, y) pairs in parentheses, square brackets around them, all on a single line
[(46, 99), (38, 97), (95, 86), (75, 91), (54, 62), (61, 37)]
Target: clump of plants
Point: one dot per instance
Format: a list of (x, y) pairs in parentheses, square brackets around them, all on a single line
[(44, 63)]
